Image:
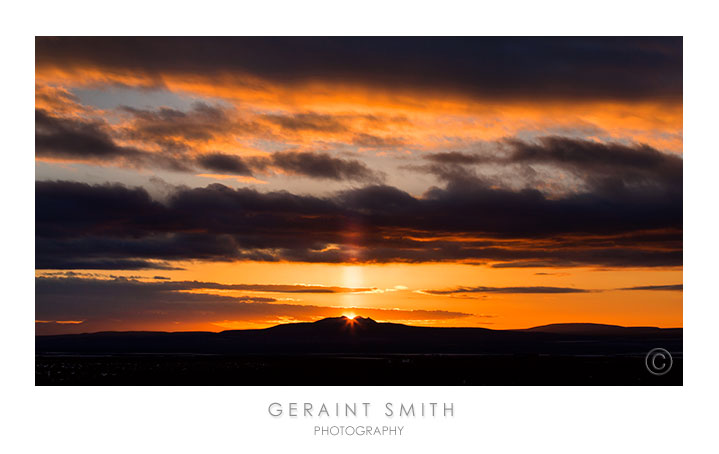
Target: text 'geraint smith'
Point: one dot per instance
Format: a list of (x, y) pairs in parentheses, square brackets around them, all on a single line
[(360, 409)]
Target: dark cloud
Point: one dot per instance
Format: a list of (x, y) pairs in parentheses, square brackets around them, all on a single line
[(676, 287), (606, 167), (372, 141), (224, 163), (78, 224), (84, 140), (308, 121), (121, 304), (200, 285), (536, 289), (179, 131), (73, 261), (267, 288), (458, 157), (321, 165), (201, 123), (483, 67), (351, 125), (70, 138)]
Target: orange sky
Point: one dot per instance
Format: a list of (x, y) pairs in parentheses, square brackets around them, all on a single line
[(399, 286), (387, 131)]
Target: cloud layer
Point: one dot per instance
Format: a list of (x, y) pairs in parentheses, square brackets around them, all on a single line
[(92, 141), (627, 212), (489, 67), (508, 290), (88, 304)]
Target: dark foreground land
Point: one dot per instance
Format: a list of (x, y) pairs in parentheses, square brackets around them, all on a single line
[(361, 352), (339, 370)]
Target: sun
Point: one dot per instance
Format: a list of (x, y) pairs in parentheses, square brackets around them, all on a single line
[(350, 315)]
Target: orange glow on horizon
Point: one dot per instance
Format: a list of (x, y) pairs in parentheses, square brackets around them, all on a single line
[(396, 295)]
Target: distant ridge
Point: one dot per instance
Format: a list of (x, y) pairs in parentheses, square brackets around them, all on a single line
[(592, 328), (360, 335)]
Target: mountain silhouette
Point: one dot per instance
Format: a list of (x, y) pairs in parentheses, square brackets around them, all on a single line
[(598, 329), (360, 335)]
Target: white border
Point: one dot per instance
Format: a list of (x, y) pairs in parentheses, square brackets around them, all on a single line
[(80, 420)]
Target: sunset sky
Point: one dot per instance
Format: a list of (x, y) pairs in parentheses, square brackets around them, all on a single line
[(224, 183)]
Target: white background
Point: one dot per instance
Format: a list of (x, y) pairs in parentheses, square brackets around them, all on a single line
[(235, 419)]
